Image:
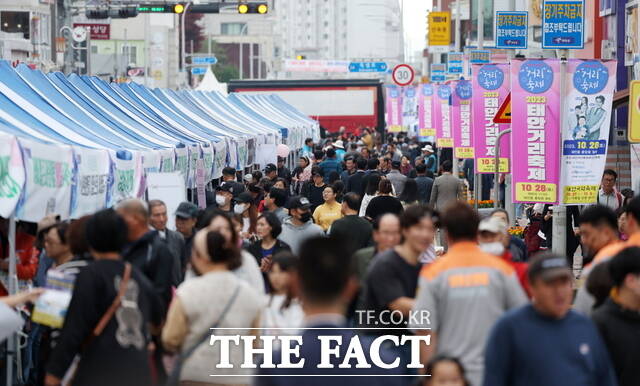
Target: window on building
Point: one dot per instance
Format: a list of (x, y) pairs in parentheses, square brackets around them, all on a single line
[(130, 53), (233, 28), (94, 49), (325, 36), (15, 22)]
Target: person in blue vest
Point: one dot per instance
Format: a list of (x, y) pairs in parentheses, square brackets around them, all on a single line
[(430, 159), (330, 164)]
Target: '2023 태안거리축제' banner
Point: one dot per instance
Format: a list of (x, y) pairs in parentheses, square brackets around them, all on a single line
[(461, 119), (491, 86), (394, 109), (590, 86), (535, 139), (442, 116), (426, 129)]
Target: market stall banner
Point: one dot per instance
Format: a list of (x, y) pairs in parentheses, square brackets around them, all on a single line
[(207, 159), (242, 153), (220, 158), (49, 172), (167, 160), (588, 104), (442, 116), (182, 161), (12, 176), (93, 181), (194, 155), (426, 128), (410, 110), (232, 152), (461, 119), (128, 175), (394, 109), (535, 139), (491, 86)]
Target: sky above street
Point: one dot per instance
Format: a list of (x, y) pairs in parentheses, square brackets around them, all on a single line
[(415, 24)]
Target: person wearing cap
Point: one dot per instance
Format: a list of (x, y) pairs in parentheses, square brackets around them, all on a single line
[(229, 177), (186, 218), (330, 164), (340, 151), (618, 319), (546, 342), (314, 188), (224, 197), (397, 179), (493, 237), (283, 171), (430, 158), (271, 172), (299, 226), (465, 292), (246, 208)]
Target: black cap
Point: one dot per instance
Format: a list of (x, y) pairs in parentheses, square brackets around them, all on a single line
[(244, 198), (395, 164), (270, 168), (187, 210), (548, 267), (225, 187), (298, 202)]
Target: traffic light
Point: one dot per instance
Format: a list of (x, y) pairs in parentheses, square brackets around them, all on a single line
[(301, 57), (177, 8), (97, 13), (114, 13), (253, 7)]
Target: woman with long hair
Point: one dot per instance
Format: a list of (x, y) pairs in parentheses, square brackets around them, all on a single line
[(330, 211), (384, 202), (246, 208), (301, 174), (370, 192), (409, 194), (215, 299), (283, 308)]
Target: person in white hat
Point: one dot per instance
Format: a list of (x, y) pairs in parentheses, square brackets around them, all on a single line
[(340, 152), (430, 159)]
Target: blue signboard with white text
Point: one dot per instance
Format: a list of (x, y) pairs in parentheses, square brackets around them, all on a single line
[(198, 70), (563, 24), (454, 62), (511, 30), (367, 67), (204, 60), (438, 72)]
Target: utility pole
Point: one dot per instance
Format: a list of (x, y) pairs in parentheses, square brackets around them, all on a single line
[(480, 24), (458, 26)]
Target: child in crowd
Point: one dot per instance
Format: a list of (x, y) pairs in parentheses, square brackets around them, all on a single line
[(445, 371)]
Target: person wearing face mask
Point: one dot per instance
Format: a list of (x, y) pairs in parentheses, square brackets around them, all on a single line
[(493, 237), (246, 208), (299, 226), (224, 197)]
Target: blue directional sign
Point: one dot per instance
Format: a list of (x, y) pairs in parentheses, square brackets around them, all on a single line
[(438, 72), (480, 56), (204, 60), (563, 24), (511, 29), (454, 62), (368, 67), (198, 70)]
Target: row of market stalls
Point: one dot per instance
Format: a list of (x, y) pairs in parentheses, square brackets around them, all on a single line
[(74, 144)]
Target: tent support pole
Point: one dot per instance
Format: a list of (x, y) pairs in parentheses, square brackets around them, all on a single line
[(11, 342)]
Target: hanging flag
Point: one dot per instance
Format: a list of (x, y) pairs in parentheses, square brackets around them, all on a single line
[(442, 116), (394, 109), (461, 119), (12, 176), (426, 128)]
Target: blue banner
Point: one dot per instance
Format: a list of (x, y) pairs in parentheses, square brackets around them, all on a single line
[(438, 72), (511, 30), (204, 60), (563, 24), (574, 147), (367, 67), (454, 62)]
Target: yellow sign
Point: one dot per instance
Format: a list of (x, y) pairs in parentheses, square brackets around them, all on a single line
[(536, 192), (394, 129), (634, 111), (439, 28), (580, 194), (445, 142), (427, 132), (464, 152), (487, 165)]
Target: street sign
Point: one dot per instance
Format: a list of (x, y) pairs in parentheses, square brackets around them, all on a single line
[(97, 31), (511, 29), (480, 56), (562, 24), (438, 72), (403, 75), (198, 70), (504, 112), (204, 60), (634, 111), (439, 28), (368, 67), (454, 62), (79, 34)]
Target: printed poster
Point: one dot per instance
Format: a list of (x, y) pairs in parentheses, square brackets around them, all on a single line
[(410, 110), (49, 172), (535, 140), (588, 104), (12, 175), (93, 182), (426, 128), (491, 86), (128, 175), (394, 109), (461, 119), (220, 158), (442, 116)]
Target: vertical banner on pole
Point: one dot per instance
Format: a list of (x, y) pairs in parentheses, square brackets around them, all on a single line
[(535, 137), (12, 175), (394, 109), (491, 86), (461, 118), (442, 116), (426, 129), (590, 87), (410, 110)]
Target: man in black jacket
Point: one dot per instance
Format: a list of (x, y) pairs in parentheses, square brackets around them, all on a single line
[(158, 219), (355, 181), (618, 319), (147, 251)]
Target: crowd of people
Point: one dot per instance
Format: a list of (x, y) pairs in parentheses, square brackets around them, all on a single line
[(358, 231)]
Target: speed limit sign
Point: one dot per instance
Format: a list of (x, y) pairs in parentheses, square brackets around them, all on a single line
[(403, 74)]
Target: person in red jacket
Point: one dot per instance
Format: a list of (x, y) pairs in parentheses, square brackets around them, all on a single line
[(493, 237)]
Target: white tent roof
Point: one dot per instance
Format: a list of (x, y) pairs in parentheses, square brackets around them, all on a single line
[(210, 83)]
